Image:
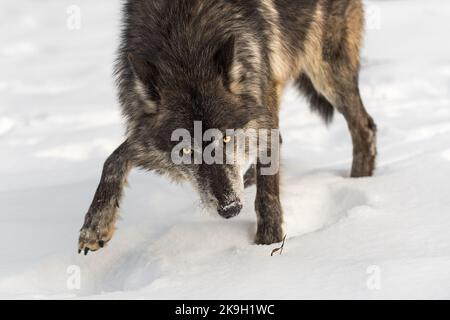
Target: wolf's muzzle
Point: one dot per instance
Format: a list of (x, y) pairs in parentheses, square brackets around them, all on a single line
[(230, 210)]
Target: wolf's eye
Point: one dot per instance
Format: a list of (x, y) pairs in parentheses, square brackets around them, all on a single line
[(227, 139), (187, 151)]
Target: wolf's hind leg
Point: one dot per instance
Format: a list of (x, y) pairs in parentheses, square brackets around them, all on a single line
[(363, 131), (99, 224), (347, 100), (341, 85), (361, 125)]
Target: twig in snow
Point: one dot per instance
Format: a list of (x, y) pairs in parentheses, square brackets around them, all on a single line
[(280, 248)]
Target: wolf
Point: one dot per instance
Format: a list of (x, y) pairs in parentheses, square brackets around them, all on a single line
[(225, 63)]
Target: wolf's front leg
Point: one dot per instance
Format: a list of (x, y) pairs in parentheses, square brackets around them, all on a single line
[(99, 223), (268, 208)]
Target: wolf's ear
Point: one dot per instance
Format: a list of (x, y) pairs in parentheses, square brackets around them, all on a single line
[(147, 73), (224, 57)]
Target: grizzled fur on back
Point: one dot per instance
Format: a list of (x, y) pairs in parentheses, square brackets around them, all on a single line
[(226, 63)]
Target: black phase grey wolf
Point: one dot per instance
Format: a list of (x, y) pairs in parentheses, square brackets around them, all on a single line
[(224, 64)]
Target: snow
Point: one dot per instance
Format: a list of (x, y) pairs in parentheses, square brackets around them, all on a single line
[(381, 237)]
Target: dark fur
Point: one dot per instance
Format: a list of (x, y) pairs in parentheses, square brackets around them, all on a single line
[(225, 63)]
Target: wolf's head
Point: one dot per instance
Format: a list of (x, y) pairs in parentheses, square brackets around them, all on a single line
[(178, 92)]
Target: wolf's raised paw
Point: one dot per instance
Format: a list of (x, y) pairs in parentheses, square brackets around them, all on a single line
[(94, 238)]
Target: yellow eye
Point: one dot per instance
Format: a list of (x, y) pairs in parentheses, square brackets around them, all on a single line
[(227, 139), (187, 151)]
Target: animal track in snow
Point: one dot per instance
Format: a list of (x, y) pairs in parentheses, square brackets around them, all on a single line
[(316, 202)]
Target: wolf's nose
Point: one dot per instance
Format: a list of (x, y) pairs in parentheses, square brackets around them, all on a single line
[(230, 210)]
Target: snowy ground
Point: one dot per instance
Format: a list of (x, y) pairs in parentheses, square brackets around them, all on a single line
[(383, 237)]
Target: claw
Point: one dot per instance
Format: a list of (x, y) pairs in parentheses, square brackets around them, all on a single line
[(101, 243), (86, 250), (79, 251)]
